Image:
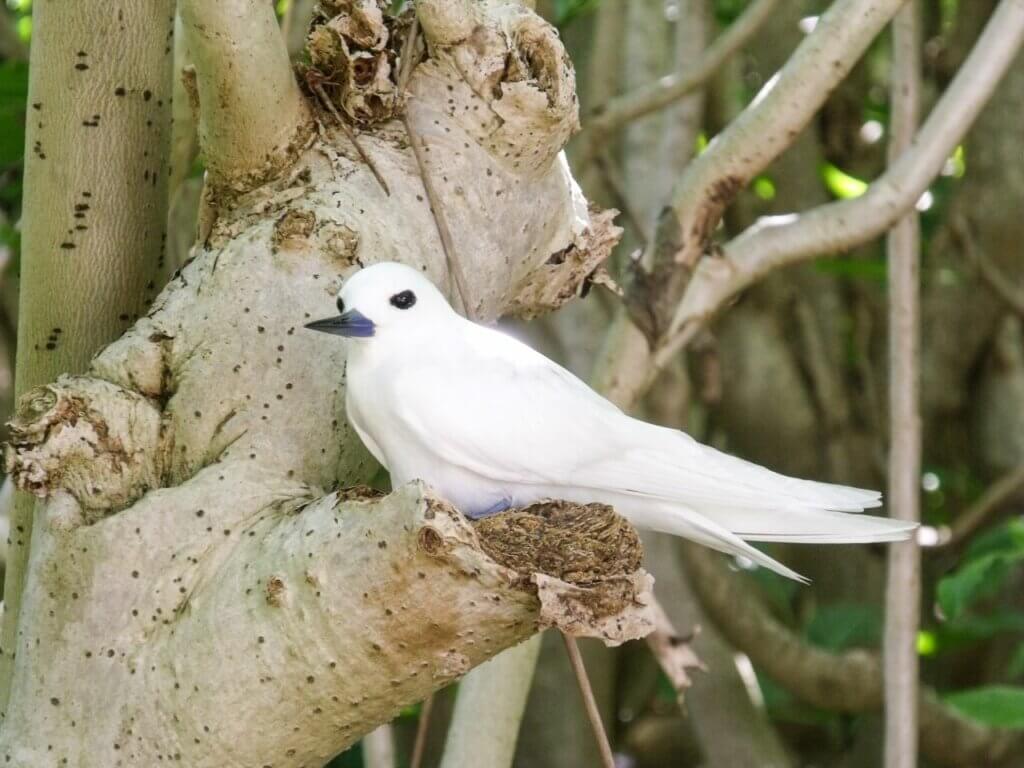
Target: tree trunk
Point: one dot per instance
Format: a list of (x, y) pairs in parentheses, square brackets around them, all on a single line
[(95, 202), (185, 561)]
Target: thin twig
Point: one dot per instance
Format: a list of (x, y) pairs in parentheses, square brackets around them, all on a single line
[(981, 512), (418, 151), (609, 117), (1001, 285), (351, 135), (611, 178), (422, 727), (593, 713), (903, 583)]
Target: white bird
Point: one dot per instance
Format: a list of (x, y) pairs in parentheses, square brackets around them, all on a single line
[(491, 424)]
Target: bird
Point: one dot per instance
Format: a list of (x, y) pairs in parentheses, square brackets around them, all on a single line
[(491, 424)]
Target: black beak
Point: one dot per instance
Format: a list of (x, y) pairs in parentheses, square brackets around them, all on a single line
[(351, 324)]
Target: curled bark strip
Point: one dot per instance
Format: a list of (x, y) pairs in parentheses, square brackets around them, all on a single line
[(92, 439), (568, 273), (354, 58)]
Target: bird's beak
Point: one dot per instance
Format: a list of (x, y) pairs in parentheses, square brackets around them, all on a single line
[(352, 324)]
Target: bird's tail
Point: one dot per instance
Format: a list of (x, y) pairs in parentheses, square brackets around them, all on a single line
[(727, 529)]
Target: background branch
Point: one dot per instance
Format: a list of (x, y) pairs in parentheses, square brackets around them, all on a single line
[(784, 240), (771, 123), (607, 118), (903, 585), (847, 682)]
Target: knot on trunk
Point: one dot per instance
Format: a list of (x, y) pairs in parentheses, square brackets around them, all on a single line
[(88, 437)]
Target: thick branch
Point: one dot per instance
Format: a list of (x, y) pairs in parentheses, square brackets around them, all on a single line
[(771, 123), (638, 102), (903, 585), (783, 240), (362, 604), (848, 682), (253, 119)]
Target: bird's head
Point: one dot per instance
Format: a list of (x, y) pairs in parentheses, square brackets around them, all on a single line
[(383, 297)]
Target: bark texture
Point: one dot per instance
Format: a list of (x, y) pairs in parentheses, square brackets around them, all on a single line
[(184, 545), (95, 200)]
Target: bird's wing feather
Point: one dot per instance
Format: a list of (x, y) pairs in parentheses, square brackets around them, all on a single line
[(511, 415)]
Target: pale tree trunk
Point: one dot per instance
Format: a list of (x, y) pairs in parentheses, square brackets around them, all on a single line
[(95, 201), (186, 562)]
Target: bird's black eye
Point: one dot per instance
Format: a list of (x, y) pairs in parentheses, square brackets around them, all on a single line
[(341, 305), (403, 300)]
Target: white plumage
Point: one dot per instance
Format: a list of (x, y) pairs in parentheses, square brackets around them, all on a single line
[(490, 423)]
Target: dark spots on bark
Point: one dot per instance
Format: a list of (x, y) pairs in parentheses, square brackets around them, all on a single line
[(120, 91), (275, 591)]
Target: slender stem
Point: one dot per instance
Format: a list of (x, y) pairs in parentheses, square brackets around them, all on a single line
[(593, 713), (609, 117), (419, 152), (903, 588), (422, 728), (982, 511)]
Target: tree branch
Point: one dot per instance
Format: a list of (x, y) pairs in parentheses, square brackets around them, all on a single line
[(771, 123), (976, 516), (364, 604), (903, 584), (847, 682), (253, 119), (607, 118), (783, 240)]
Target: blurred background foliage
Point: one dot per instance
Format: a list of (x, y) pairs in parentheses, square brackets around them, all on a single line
[(755, 387)]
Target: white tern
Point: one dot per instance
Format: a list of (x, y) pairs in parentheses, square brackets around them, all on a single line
[(491, 424)]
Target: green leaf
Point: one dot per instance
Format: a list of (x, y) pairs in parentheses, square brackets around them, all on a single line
[(567, 11), (999, 706), (841, 184), (764, 188), (841, 626), (1007, 538), (974, 581)]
